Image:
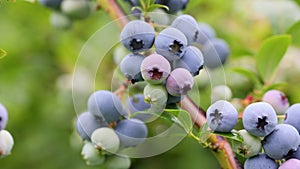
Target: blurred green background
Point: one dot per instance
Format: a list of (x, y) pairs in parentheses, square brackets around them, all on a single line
[(35, 76)]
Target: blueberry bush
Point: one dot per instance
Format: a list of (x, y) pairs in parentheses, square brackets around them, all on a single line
[(119, 84)]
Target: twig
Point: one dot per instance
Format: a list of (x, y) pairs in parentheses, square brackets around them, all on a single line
[(221, 148)]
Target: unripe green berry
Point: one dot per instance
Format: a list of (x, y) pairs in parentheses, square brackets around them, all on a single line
[(6, 143), (117, 162), (156, 95), (91, 155), (251, 145), (106, 138)]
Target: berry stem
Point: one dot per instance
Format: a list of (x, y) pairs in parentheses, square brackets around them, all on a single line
[(112, 8), (222, 149)]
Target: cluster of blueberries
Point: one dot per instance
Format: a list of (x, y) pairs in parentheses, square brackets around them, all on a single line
[(106, 130), (167, 61), (6, 139), (67, 11), (266, 139)]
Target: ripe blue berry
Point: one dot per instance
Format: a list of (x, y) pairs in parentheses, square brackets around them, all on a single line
[(290, 164), (206, 32), (137, 36), (155, 69), (170, 43), (259, 119), (188, 26), (175, 6), (191, 60), (174, 99), (86, 124), (106, 138), (292, 116), (106, 105), (277, 99), (179, 82), (3, 117), (78, 9), (260, 161), (117, 162), (135, 104), (221, 116), (296, 154), (131, 132), (130, 67), (54, 4), (6, 143), (91, 154), (282, 142), (60, 21), (215, 53)]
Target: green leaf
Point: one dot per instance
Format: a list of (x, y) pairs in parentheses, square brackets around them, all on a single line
[(181, 117), (138, 8), (270, 54), (233, 135), (3, 53), (252, 76), (204, 133), (297, 2), (155, 6), (294, 31), (274, 86)]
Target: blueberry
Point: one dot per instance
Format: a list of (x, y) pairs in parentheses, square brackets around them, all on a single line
[(176, 5), (173, 99), (251, 145), (86, 123), (259, 119), (130, 67), (221, 92), (191, 60), (295, 154), (290, 164), (156, 95), (170, 43), (159, 16), (260, 161), (282, 142), (106, 138), (179, 82), (106, 105), (155, 69), (188, 26), (277, 99), (78, 9), (53, 4), (137, 36), (117, 162), (3, 117), (60, 21), (131, 132), (6, 143), (215, 53), (292, 116), (91, 155), (206, 32), (221, 116), (135, 104)]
